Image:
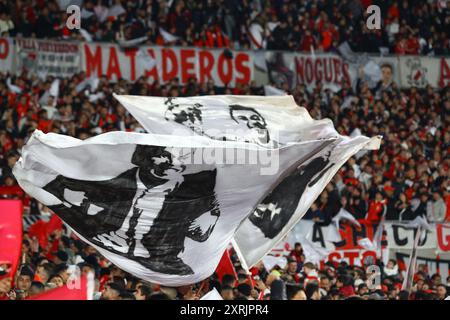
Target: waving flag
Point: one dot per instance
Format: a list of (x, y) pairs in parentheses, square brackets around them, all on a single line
[(272, 122), (225, 266), (163, 208), (78, 290), (10, 234)]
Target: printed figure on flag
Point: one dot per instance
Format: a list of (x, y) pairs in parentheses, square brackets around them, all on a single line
[(258, 120), (166, 218), (97, 208), (248, 121), (274, 212)]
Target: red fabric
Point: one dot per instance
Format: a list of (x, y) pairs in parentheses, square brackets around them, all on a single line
[(12, 190), (22, 109), (110, 118), (351, 181), (347, 291), (55, 223), (42, 230), (39, 230), (297, 256), (375, 210), (412, 46), (327, 39), (447, 214), (10, 232), (225, 266), (366, 3), (400, 47), (393, 12), (76, 292), (45, 125), (307, 42)]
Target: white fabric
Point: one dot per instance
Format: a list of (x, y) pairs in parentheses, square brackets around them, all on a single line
[(272, 91), (167, 36), (272, 261), (212, 295), (285, 122), (48, 157), (313, 252)]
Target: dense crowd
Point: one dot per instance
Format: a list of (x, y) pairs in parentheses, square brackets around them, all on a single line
[(407, 26), (47, 268), (407, 178)]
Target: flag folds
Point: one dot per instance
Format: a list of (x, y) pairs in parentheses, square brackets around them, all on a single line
[(270, 122), (216, 169), (163, 208)]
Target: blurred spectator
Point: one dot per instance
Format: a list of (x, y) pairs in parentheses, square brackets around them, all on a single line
[(410, 28)]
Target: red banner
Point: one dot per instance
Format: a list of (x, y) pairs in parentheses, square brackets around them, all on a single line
[(78, 291), (10, 233), (42, 230), (443, 236), (225, 266), (163, 64)]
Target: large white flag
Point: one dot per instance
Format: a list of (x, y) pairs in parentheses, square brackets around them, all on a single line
[(163, 208), (272, 122)]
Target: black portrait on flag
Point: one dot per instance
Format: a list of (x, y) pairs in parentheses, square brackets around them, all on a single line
[(189, 115), (273, 213), (142, 214), (251, 121)]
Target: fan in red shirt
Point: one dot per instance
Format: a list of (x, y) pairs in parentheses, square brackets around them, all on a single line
[(376, 208)]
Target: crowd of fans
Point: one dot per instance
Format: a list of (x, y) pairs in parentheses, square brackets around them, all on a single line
[(407, 26), (48, 268), (407, 178)]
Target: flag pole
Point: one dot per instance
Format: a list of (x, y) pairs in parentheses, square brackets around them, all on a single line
[(409, 277)]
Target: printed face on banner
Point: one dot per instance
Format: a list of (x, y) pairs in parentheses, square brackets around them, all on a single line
[(188, 115), (247, 122), (142, 214), (252, 120)]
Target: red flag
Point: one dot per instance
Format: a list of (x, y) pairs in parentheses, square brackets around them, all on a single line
[(39, 230), (77, 291), (10, 233), (42, 230), (225, 266), (55, 223)]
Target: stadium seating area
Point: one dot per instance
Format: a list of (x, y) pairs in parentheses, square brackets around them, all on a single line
[(408, 27), (407, 178)]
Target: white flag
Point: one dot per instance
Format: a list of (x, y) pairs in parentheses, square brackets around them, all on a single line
[(54, 88), (212, 295), (313, 252), (13, 87), (288, 202), (163, 208), (272, 91), (272, 122), (367, 244), (332, 233), (272, 261), (167, 36)]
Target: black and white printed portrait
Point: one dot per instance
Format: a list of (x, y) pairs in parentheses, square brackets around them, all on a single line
[(272, 214), (252, 120), (146, 212), (189, 115)]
